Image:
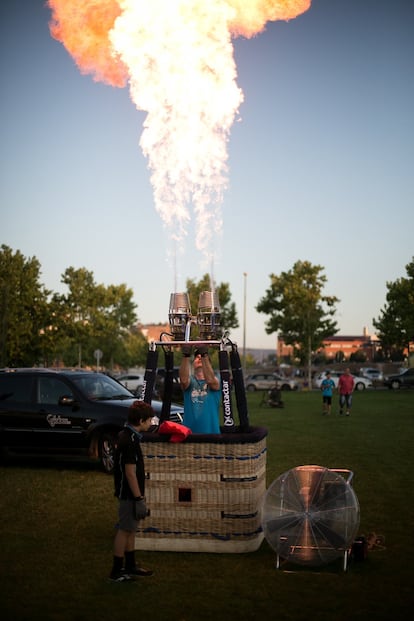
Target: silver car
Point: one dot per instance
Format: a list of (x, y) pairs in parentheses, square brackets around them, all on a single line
[(266, 381), (373, 374), (133, 382)]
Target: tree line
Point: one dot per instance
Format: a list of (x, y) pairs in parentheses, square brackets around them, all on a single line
[(41, 327)]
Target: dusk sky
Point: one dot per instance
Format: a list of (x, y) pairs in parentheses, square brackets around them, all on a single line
[(320, 166)]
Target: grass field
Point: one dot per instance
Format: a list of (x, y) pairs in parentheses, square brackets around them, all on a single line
[(58, 524)]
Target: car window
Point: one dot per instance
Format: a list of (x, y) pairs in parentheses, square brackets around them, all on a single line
[(100, 387), (49, 390), (92, 387), (16, 388)]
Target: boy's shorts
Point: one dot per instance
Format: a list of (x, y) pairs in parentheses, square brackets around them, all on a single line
[(126, 516)]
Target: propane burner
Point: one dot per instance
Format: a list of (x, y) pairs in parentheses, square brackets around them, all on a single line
[(207, 318), (179, 315)]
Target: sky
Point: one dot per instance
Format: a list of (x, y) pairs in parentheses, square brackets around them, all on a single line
[(320, 165)]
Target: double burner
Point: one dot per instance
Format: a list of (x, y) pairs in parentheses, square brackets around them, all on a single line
[(207, 318)]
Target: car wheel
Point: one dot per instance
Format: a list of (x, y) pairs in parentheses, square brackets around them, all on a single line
[(285, 387), (250, 387), (395, 384), (107, 444), (360, 386)]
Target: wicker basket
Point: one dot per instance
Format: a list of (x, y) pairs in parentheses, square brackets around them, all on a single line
[(204, 494)]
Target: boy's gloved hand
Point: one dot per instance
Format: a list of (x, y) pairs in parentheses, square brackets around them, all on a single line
[(140, 509)]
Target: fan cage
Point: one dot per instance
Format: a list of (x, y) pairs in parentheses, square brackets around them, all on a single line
[(310, 515)]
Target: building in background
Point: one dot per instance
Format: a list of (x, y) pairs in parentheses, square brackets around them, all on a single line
[(339, 348), (153, 331)]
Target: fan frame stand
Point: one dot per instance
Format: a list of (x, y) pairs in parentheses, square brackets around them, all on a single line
[(278, 564), (348, 479)]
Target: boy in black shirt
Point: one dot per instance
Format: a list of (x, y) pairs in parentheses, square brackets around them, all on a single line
[(129, 479)]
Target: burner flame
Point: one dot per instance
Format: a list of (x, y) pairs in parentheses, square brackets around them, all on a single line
[(177, 58)]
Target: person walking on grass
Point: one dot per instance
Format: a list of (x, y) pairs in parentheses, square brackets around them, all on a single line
[(346, 386), (327, 387), (129, 480)]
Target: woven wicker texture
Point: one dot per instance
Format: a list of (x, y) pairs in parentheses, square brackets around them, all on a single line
[(204, 491)]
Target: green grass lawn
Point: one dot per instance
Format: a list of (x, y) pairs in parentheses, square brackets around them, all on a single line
[(58, 525)]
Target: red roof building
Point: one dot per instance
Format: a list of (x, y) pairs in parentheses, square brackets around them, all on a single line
[(334, 346), (152, 332)]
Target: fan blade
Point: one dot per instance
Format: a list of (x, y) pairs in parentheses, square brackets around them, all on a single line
[(333, 538), (308, 481), (283, 522), (316, 478)]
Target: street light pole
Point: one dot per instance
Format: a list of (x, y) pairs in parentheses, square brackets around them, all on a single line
[(244, 323)]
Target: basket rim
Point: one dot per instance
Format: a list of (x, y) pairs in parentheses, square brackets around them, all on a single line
[(255, 434)]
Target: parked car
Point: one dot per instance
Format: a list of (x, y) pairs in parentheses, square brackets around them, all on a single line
[(177, 393), (80, 412), (373, 374), (400, 380), (134, 383), (265, 381), (360, 382)]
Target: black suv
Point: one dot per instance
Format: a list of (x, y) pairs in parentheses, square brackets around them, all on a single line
[(44, 411), (406, 379)]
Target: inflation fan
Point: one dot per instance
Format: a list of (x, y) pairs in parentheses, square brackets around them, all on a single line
[(310, 515)]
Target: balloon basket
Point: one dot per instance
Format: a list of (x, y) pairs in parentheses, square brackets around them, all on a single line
[(204, 494)]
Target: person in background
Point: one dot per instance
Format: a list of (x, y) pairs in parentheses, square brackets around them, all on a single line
[(129, 480), (327, 387), (345, 388), (201, 392)]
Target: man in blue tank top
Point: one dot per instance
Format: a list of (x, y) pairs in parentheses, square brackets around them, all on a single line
[(201, 392)]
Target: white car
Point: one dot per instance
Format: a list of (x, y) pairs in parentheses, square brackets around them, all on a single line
[(134, 382), (360, 382), (265, 381), (372, 374)]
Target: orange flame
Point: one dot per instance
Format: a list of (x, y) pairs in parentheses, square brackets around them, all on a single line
[(177, 56), (83, 27), (251, 16)]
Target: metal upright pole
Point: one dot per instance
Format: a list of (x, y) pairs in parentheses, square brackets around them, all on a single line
[(244, 324)]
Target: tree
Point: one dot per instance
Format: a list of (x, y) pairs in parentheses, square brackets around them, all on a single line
[(135, 349), (23, 309), (228, 314), (358, 356), (298, 310), (117, 317), (395, 324), (37, 326), (93, 316)]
